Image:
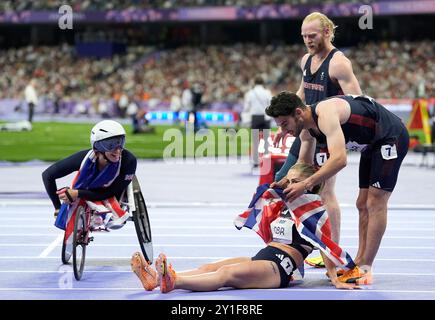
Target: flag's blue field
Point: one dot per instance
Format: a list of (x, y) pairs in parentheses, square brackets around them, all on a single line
[(192, 223)]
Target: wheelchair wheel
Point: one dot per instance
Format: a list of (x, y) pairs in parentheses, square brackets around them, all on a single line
[(66, 251), (142, 223), (79, 242)]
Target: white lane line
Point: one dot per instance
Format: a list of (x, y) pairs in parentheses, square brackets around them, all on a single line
[(110, 235), (157, 291), (204, 221), (32, 202), (129, 271), (383, 274), (58, 241), (362, 290), (127, 227), (50, 247), (202, 235), (202, 227), (185, 258)]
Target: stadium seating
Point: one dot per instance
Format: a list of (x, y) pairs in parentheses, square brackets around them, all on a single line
[(102, 5), (151, 76)]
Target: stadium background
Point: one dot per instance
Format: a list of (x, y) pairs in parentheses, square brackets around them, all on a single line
[(149, 51)]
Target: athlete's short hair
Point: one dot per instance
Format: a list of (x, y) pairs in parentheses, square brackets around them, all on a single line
[(325, 22), (307, 170), (284, 104)]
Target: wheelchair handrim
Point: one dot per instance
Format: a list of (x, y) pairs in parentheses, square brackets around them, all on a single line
[(66, 252)]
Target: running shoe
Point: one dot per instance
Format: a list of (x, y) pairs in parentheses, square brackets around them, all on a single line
[(146, 274), (340, 272), (167, 275), (351, 275), (316, 262), (366, 278)]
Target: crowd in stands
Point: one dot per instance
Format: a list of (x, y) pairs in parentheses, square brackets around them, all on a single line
[(103, 5), (384, 70), (60, 75)]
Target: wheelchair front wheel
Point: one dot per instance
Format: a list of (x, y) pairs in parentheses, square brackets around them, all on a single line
[(79, 242)]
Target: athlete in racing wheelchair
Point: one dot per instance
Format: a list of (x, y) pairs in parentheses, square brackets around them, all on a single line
[(102, 196)]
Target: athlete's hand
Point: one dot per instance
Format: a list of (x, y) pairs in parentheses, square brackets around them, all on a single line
[(279, 135), (67, 195), (294, 190), (56, 212), (283, 183), (347, 286)]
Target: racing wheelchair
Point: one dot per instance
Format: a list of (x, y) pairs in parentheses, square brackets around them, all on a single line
[(133, 202)]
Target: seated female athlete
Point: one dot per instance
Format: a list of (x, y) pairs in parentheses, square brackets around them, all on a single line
[(271, 267)]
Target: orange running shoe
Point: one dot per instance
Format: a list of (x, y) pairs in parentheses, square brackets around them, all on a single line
[(366, 278), (167, 275), (144, 271), (340, 272), (351, 275)]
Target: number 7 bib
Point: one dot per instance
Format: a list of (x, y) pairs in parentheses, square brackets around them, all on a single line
[(389, 152)]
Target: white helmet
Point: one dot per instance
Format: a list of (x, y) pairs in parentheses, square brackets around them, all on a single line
[(104, 130)]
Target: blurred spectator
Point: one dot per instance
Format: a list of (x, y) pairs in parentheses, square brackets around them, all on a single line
[(256, 101), (197, 93), (175, 105), (122, 105), (87, 5), (186, 100), (31, 98), (66, 79)]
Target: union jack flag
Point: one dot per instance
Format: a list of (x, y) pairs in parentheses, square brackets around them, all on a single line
[(308, 213), (110, 205)]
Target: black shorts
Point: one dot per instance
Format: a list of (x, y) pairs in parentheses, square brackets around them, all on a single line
[(377, 169), (320, 155), (286, 264), (259, 122)]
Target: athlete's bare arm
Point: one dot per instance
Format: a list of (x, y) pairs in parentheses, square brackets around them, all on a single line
[(329, 125), (340, 69), (308, 147), (301, 93), (332, 274)]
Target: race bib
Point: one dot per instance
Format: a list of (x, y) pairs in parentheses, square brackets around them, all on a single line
[(282, 229), (287, 265), (389, 152), (321, 158)]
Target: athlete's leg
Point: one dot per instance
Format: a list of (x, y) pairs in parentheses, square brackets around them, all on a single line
[(255, 138), (250, 274), (266, 135), (377, 201), (332, 207), (361, 204), (365, 173), (213, 266)]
